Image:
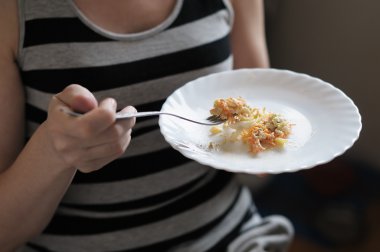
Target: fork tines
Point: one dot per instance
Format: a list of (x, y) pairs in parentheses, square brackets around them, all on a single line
[(215, 119)]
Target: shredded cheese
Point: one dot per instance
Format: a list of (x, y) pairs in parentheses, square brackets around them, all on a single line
[(258, 129)]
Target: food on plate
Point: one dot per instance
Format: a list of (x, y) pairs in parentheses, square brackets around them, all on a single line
[(254, 127)]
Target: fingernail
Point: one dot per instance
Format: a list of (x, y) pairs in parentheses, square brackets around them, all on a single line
[(112, 102)]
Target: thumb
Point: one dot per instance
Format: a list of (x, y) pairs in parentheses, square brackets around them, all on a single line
[(77, 98)]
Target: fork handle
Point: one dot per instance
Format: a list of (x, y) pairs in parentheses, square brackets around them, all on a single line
[(120, 116), (156, 113)]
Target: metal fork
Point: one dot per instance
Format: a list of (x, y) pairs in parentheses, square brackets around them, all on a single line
[(211, 120)]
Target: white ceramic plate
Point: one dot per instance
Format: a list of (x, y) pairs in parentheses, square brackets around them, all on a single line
[(326, 121)]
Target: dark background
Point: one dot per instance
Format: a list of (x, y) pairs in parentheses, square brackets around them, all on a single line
[(335, 206)]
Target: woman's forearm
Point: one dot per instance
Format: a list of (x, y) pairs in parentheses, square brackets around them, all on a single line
[(32, 187), (30, 191)]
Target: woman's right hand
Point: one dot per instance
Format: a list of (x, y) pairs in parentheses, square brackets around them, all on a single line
[(89, 142)]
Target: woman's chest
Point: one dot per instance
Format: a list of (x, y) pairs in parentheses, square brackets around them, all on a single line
[(124, 17)]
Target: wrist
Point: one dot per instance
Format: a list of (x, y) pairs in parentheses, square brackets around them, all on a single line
[(41, 143)]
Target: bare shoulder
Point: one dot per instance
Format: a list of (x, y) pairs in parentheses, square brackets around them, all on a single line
[(248, 13), (247, 5), (248, 34), (9, 28)]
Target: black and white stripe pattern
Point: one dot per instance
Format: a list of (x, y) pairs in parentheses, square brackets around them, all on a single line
[(152, 198)]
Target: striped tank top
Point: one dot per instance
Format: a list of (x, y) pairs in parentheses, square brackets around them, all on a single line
[(152, 198)]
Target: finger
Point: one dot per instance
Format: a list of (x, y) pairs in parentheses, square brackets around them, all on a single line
[(128, 123), (128, 109), (77, 98), (101, 122), (99, 156), (74, 97), (98, 120), (88, 125), (114, 148), (111, 134)]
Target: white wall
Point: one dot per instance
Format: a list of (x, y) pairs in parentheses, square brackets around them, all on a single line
[(339, 42)]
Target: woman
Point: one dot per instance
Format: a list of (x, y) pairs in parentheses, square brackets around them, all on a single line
[(72, 186)]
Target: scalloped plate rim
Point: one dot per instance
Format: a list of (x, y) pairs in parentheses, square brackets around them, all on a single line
[(203, 158)]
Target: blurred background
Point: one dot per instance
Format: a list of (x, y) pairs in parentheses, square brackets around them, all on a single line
[(336, 206)]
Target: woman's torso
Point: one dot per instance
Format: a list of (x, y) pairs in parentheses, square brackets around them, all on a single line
[(152, 198)]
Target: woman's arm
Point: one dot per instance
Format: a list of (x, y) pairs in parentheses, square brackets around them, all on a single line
[(26, 195), (248, 34), (34, 178)]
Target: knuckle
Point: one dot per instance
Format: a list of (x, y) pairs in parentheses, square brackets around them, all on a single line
[(112, 133), (118, 148), (116, 132), (85, 131), (61, 146), (107, 115), (129, 123), (70, 160)]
